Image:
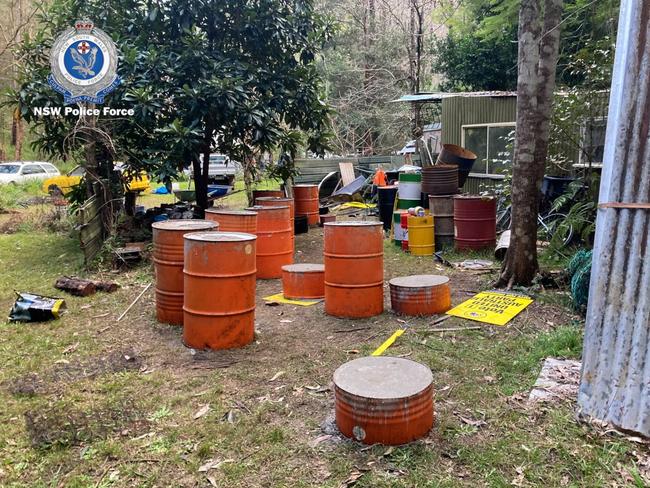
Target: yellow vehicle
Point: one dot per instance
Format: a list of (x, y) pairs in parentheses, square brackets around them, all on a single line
[(63, 184)]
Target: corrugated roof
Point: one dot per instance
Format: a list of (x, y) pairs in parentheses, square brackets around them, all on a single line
[(437, 96)]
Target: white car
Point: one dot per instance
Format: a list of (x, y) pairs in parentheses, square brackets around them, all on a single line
[(21, 171)]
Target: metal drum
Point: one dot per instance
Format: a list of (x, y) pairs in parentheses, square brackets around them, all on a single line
[(281, 202), (442, 209), (441, 179), (404, 222), (386, 201), (274, 240), (383, 400), (168, 265), (267, 193), (420, 294), (475, 222), (410, 186), (219, 305), (303, 281), (354, 269), (399, 232), (463, 158), (233, 220), (421, 240), (306, 197)]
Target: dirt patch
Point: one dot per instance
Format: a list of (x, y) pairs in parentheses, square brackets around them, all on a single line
[(90, 367), (64, 425)]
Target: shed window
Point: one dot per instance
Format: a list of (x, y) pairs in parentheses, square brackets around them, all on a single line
[(592, 140), (490, 143)]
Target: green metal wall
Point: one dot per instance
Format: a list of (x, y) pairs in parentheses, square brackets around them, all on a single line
[(459, 111)]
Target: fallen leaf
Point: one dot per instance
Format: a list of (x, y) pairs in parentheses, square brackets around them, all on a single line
[(212, 481), (213, 464), (286, 321), (473, 423), (351, 479), (202, 411), (319, 439), (277, 375), (489, 379), (71, 348), (352, 351)]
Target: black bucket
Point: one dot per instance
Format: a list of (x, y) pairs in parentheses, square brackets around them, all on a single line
[(300, 224), (386, 198), (463, 158)]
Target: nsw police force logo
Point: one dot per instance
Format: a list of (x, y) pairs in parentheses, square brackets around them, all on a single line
[(84, 64)]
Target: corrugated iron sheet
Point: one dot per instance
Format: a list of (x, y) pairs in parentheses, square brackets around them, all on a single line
[(615, 383), (459, 111)]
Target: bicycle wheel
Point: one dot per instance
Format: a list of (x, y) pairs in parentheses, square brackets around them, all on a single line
[(503, 220), (555, 228)]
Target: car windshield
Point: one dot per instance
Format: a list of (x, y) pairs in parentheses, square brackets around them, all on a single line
[(78, 171), (9, 168)]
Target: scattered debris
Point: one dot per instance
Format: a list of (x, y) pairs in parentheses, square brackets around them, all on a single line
[(29, 307), (213, 464), (202, 411), (475, 264), (82, 287), (558, 381), (277, 375), (133, 302), (278, 298)]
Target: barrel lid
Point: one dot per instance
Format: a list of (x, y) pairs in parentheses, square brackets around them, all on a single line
[(304, 268), (383, 377), (274, 199), (353, 223), (219, 236), (184, 224), (441, 197), (304, 185), (387, 187), (486, 198), (223, 211), (260, 208), (419, 281)]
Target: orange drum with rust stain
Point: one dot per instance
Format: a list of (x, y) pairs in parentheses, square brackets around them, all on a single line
[(219, 304), (233, 220), (280, 202), (383, 400), (267, 193), (306, 197), (274, 240), (168, 264), (420, 294), (354, 269), (303, 281)]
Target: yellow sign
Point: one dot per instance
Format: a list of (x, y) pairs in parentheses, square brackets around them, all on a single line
[(389, 342), (491, 307), (279, 298)]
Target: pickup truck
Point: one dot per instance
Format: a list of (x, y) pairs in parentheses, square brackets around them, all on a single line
[(222, 170)]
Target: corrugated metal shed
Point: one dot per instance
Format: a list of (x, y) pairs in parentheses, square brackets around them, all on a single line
[(461, 110)]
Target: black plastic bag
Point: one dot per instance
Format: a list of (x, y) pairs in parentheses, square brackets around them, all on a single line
[(35, 308)]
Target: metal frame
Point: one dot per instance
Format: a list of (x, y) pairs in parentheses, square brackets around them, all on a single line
[(487, 145)]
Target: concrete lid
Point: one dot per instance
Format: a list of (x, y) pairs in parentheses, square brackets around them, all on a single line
[(419, 281), (230, 212), (304, 268), (219, 236), (383, 377), (184, 224)]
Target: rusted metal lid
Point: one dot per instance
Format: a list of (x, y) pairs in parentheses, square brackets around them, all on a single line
[(230, 212), (219, 236), (474, 197), (419, 281), (274, 199), (383, 377), (260, 208), (353, 223), (304, 268), (184, 224)]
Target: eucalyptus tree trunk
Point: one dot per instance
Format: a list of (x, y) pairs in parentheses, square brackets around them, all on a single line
[(539, 39)]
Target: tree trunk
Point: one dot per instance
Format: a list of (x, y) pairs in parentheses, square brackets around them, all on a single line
[(17, 134), (249, 178), (537, 59), (200, 183)]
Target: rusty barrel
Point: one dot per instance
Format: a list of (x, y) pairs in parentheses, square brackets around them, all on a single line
[(421, 238), (475, 222), (420, 294), (274, 240), (383, 400), (441, 179), (280, 202), (354, 269), (303, 280), (442, 209), (463, 158), (168, 265), (219, 304), (267, 193), (233, 220), (306, 197)]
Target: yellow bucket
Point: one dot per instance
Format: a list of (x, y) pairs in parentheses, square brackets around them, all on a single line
[(421, 241)]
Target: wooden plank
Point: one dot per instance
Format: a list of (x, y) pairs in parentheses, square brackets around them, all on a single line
[(347, 173)]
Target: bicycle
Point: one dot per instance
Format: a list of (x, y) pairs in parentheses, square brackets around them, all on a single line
[(548, 224)]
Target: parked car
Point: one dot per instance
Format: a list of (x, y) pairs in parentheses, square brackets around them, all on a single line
[(222, 169), (21, 171), (60, 185)]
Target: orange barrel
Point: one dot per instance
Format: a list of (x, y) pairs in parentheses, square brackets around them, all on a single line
[(383, 400), (327, 218), (168, 265), (306, 197), (233, 220), (354, 268), (274, 240), (303, 281), (475, 222), (280, 202), (420, 294), (267, 193), (219, 305), (420, 235)]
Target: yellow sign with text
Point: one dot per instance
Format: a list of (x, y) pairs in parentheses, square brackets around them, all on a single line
[(491, 307)]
